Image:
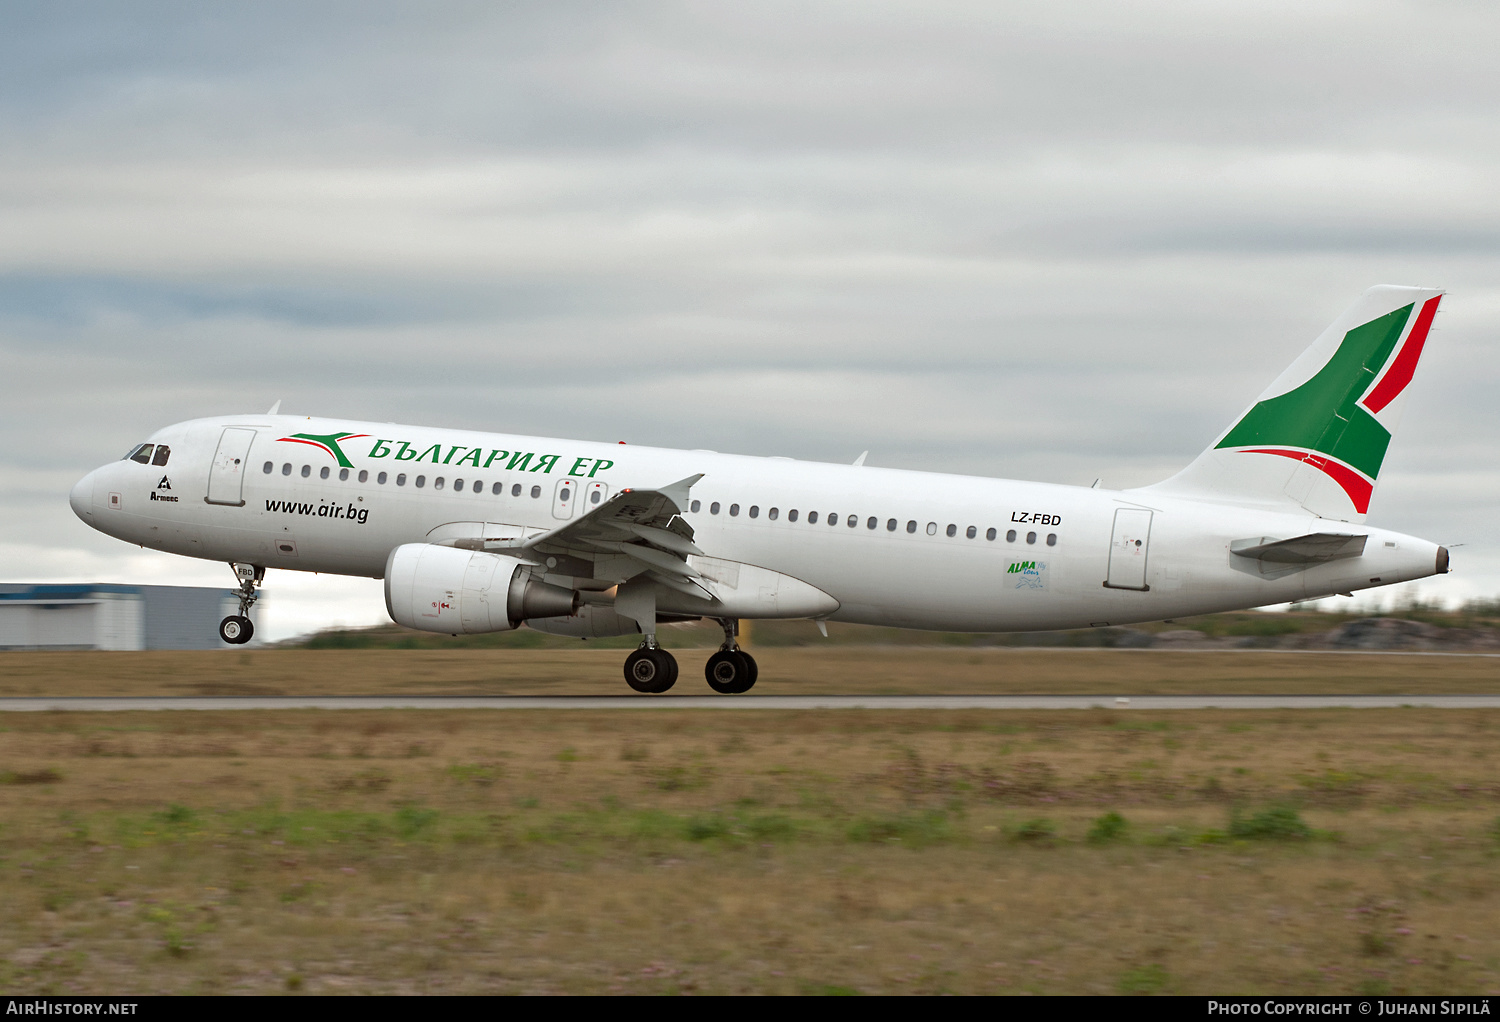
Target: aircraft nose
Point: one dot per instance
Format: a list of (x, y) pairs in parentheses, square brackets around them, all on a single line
[(81, 497)]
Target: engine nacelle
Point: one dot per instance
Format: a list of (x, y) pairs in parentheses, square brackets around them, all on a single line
[(444, 589)]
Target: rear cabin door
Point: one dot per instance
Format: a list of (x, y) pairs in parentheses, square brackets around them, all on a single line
[(1128, 548), (226, 477)]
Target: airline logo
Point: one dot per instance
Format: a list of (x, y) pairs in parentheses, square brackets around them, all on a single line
[(1032, 574), (326, 442), (1330, 421), (403, 450)]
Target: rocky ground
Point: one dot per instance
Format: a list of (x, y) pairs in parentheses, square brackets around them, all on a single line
[(1369, 633)]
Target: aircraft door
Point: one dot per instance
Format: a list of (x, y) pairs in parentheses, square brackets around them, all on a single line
[(1128, 548), (226, 476), (564, 498), (593, 495)]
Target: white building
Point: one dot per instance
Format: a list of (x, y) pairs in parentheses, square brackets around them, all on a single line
[(103, 616)]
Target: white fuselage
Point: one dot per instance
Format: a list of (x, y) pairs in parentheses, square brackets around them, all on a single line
[(1051, 573)]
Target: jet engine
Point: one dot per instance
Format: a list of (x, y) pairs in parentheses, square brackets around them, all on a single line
[(444, 589)]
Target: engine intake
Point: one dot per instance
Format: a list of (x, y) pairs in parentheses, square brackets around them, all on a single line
[(444, 589)]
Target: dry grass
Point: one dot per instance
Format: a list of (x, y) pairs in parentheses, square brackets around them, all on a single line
[(786, 670), (761, 851)]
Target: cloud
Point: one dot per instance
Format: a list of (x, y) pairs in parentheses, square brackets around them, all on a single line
[(1039, 240)]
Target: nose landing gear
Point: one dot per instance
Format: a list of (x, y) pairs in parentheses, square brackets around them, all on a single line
[(237, 629), (731, 671)]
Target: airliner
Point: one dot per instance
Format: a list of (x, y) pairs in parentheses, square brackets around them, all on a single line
[(486, 532)]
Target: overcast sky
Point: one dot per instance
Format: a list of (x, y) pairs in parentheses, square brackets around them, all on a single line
[(1052, 241)]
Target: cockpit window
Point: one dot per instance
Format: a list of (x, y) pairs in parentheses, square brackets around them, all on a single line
[(141, 454), (163, 452)]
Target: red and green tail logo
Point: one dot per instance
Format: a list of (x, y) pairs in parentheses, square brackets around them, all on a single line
[(1329, 421), (326, 442)]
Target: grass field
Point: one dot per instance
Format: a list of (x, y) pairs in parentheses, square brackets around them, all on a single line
[(783, 670), (1317, 851)]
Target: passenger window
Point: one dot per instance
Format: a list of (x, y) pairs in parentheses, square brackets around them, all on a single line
[(344, 475), (952, 530), (596, 495), (563, 493), (1031, 537), (872, 523), (773, 514), (163, 452), (420, 482), (515, 491), (713, 508), (989, 534), (458, 485), (971, 532), (401, 479), (268, 467), (833, 519), (791, 515), (478, 486), (853, 521), (1052, 539), (890, 525), (932, 528), (1010, 537), (323, 474), (497, 488), (536, 492), (142, 454), (911, 526), (754, 511), (437, 484), (286, 469), (734, 510), (306, 471), (694, 506), (812, 518)]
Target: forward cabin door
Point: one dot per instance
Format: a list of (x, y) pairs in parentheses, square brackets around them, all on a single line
[(1128, 548), (226, 477)]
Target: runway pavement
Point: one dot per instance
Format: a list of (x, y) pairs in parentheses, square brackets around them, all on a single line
[(748, 702)]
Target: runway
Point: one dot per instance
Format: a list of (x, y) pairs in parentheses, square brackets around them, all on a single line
[(114, 704)]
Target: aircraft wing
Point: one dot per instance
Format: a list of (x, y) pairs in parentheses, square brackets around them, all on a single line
[(635, 532)]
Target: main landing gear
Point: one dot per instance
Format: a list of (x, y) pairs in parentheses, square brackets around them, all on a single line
[(651, 669), (237, 628), (730, 671)]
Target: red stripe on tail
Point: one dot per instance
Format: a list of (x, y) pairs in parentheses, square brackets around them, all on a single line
[(1355, 485), (1400, 373)]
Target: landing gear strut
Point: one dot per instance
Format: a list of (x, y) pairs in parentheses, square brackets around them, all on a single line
[(731, 671), (237, 628)]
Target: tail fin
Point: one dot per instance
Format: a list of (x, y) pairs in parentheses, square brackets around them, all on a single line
[(1318, 435)]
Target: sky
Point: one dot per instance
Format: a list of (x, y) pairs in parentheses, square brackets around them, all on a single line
[(1055, 241)]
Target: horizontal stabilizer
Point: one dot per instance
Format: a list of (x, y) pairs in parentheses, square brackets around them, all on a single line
[(1310, 549)]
